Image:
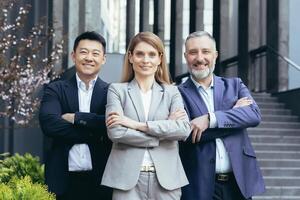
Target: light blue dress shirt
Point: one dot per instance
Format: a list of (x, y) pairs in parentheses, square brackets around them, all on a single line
[(223, 164)]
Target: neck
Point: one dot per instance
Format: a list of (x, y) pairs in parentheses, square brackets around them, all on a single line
[(86, 79), (145, 83)]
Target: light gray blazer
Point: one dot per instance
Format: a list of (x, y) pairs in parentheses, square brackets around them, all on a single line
[(123, 166)]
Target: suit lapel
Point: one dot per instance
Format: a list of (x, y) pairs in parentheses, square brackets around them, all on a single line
[(135, 96), (195, 96), (157, 93), (218, 93), (71, 91), (97, 96)]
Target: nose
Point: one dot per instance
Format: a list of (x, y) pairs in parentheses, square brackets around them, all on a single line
[(146, 58), (88, 57), (200, 55)]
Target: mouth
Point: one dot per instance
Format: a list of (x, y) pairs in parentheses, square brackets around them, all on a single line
[(145, 67), (87, 65), (200, 66)]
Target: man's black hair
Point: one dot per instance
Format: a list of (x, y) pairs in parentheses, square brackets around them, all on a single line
[(90, 35)]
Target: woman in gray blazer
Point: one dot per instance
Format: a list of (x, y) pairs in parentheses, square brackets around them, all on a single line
[(145, 118)]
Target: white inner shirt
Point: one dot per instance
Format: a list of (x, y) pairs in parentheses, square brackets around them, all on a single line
[(146, 99), (80, 155)]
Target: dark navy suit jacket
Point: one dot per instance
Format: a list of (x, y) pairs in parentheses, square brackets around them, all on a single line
[(199, 159), (61, 97)]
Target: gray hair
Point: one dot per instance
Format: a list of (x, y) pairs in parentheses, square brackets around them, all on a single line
[(201, 34)]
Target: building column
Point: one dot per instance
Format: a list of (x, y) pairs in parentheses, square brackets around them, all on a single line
[(283, 46), (243, 56), (130, 20), (196, 15), (176, 40), (144, 15), (272, 42), (58, 8), (159, 19), (216, 32)]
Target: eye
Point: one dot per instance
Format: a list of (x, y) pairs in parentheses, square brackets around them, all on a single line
[(96, 54), (83, 51), (152, 54), (206, 51), (193, 52), (139, 54)]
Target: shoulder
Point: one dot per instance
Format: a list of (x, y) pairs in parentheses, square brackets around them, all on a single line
[(102, 83), (234, 81), (118, 86), (56, 85), (170, 89), (228, 79)]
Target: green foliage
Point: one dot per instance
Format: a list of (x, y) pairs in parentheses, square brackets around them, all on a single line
[(20, 166), (24, 189), (6, 192)]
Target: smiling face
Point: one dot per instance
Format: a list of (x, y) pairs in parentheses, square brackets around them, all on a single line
[(145, 60), (88, 58), (200, 55)]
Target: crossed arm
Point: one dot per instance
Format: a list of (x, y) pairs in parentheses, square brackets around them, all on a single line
[(66, 126), (200, 124), (129, 131)]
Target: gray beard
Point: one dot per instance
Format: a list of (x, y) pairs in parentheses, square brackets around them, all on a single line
[(201, 74)]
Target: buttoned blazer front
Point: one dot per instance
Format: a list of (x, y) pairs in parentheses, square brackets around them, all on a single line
[(199, 159), (129, 146), (61, 97)]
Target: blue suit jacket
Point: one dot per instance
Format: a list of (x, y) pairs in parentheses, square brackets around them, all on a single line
[(199, 159), (62, 97)]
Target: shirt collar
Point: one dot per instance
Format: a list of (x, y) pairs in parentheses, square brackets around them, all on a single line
[(81, 84), (198, 85)]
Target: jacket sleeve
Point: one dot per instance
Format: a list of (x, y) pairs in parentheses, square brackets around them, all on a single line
[(171, 129), (121, 134), (91, 121), (51, 121), (240, 117), (233, 120), (94, 121)]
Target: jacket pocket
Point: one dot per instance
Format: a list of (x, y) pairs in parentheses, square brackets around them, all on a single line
[(249, 152)]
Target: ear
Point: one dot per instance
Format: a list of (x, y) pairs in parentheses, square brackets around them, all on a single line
[(130, 57), (104, 59), (185, 55), (216, 54), (73, 56), (160, 58)]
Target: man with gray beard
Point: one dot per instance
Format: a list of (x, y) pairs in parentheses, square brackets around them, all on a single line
[(218, 157)]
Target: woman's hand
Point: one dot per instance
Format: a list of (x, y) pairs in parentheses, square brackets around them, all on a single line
[(115, 118), (177, 115)]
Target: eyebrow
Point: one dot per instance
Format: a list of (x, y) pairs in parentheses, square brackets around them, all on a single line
[(91, 49), (136, 50)]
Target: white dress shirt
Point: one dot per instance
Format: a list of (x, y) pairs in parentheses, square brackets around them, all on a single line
[(79, 154), (146, 99), (223, 164)]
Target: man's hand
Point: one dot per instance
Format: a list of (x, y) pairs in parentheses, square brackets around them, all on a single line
[(70, 117), (115, 118), (245, 101), (199, 125), (177, 114)]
